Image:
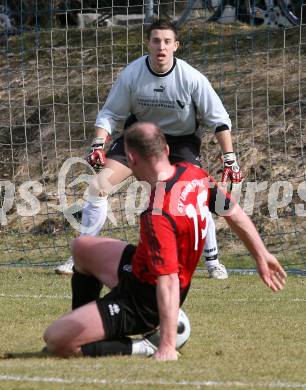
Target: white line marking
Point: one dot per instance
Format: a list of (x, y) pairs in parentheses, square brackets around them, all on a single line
[(267, 299), (23, 296), (250, 299), (299, 300), (273, 385)]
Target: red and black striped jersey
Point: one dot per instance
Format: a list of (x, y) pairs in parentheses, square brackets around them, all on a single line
[(173, 228)]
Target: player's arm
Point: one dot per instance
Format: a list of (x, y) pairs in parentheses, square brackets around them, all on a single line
[(269, 269), (222, 204), (158, 231), (216, 117), (114, 111), (224, 139), (101, 133), (231, 170), (168, 299), (117, 106)]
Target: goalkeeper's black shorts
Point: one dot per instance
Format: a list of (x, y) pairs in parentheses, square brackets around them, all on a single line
[(185, 148), (130, 308)]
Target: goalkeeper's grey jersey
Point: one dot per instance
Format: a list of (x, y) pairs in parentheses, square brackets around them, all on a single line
[(170, 100)]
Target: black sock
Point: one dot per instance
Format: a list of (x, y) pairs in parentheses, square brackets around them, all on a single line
[(85, 289), (108, 347)]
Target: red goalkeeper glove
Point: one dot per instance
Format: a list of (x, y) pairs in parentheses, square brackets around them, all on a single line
[(96, 156), (231, 169)]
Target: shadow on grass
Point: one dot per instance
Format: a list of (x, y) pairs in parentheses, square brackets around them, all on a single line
[(26, 355)]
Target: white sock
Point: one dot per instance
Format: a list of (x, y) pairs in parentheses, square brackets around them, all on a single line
[(140, 347), (94, 215), (211, 248)]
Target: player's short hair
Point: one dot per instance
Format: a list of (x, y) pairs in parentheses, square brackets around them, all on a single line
[(146, 139), (162, 24)]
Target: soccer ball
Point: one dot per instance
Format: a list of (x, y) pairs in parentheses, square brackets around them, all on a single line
[(183, 331)]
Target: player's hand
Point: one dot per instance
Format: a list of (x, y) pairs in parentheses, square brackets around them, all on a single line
[(96, 156), (272, 273), (231, 170), (165, 354)]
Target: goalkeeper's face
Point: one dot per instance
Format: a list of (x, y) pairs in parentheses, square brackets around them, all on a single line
[(162, 45)]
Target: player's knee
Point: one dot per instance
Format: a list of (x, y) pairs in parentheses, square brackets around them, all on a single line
[(55, 342), (77, 250), (52, 340), (75, 244)]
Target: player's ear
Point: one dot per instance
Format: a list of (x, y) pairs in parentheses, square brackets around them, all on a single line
[(130, 158), (176, 45), (167, 150)]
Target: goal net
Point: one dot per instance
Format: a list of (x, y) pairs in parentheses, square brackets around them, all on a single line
[(58, 60)]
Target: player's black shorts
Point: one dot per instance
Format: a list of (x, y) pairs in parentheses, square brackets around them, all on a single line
[(130, 308), (122, 311), (182, 148)]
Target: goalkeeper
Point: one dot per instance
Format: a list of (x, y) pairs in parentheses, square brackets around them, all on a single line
[(149, 282), (164, 90)]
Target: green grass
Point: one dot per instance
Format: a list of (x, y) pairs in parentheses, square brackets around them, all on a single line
[(243, 336)]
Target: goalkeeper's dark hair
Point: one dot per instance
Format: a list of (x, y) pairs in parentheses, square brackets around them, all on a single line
[(162, 24), (146, 139)]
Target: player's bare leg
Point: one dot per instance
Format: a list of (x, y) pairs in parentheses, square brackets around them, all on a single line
[(66, 335), (76, 333), (96, 259), (99, 257)]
